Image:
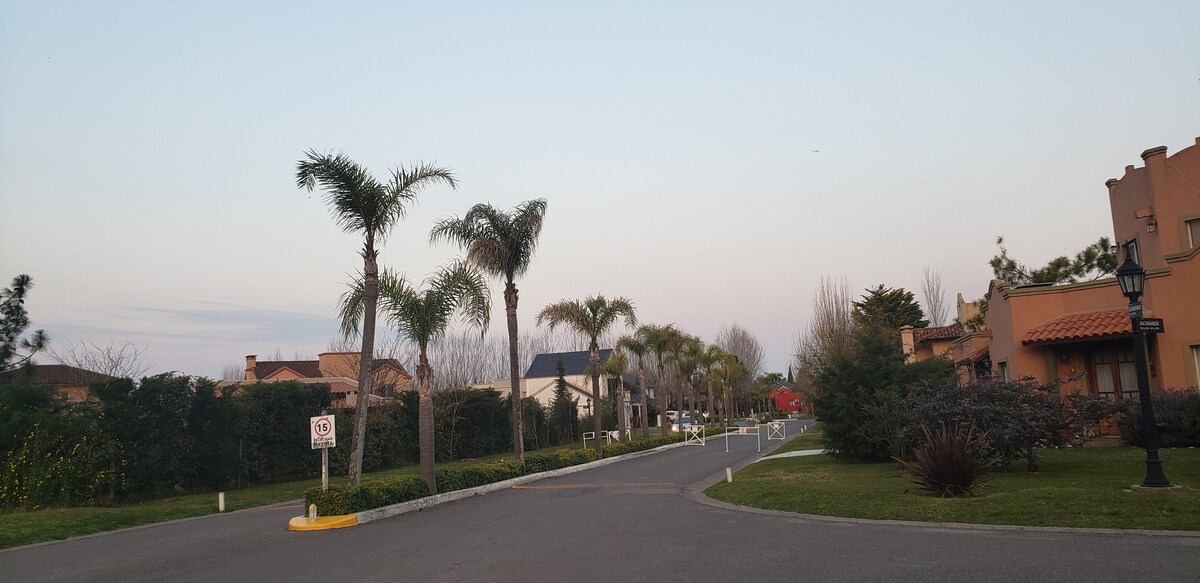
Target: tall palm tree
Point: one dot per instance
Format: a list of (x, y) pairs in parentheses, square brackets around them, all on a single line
[(636, 345), (591, 317), (686, 356), (660, 339), (731, 370), (707, 360), (501, 244), (617, 365), (362, 204), (421, 317)]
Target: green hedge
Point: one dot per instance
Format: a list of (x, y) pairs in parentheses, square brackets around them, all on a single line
[(377, 493)]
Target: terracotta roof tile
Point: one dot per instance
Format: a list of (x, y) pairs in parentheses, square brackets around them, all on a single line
[(976, 355), (60, 374), (937, 333), (304, 368), (1081, 326)]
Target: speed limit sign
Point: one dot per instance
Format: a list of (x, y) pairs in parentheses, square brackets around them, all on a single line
[(321, 431)]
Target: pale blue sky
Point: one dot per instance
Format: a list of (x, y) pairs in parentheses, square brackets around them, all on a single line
[(147, 151)]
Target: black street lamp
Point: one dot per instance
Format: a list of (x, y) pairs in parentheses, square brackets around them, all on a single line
[(1132, 278)]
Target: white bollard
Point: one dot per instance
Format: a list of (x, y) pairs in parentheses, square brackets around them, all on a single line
[(729, 475), (312, 511), (220, 502)]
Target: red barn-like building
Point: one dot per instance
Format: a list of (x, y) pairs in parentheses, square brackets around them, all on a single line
[(787, 399)]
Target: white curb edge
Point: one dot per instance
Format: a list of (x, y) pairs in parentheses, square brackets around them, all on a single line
[(431, 501)]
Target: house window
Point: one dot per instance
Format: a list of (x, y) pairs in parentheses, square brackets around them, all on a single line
[(1131, 251), (1115, 373), (1193, 232), (1196, 361), (1002, 370)]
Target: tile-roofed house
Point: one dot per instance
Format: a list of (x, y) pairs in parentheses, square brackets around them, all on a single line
[(339, 370), (574, 363), (69, 381), (1079, 335), (540, 377), (1096, 324), (931, 342)]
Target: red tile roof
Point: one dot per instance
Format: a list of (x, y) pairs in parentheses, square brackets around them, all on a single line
[(304, 368), (59, 374), (1081, 326), (975, 356), (309, 369), (937, 333)]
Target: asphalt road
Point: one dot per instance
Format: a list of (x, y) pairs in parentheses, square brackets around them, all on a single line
[(638, 520)]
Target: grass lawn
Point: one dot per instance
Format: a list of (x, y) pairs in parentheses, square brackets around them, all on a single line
[(22, 528), (1085, 487)]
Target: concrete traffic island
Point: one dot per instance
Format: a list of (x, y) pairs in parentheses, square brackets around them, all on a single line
[(323, 522), (304, 523)]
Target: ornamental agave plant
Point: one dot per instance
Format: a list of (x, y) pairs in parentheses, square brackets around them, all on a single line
[(949, 463)]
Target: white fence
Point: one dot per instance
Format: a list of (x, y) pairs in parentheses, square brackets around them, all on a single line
[(736, 431)]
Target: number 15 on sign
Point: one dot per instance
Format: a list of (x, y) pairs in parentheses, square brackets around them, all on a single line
[(321, 430)]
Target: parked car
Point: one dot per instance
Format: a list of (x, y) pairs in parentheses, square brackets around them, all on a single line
[(687, 422)]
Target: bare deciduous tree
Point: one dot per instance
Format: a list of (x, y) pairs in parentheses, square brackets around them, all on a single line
[(829, 332), (739, 342), (935, 298), (233, 372), (119, 360)]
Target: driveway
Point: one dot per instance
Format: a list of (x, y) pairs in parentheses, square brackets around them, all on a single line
[(638, 520)]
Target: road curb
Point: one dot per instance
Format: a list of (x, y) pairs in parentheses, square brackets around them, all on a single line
[(446, 497), (695, 493)]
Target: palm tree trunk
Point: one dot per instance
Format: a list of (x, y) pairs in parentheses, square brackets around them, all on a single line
[(645, 400), (663, 402), (622, 421), (594, 364), (425, 420), (514, 372), (365, 360)]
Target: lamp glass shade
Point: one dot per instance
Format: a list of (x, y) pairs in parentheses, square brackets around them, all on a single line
[(1132, 278)]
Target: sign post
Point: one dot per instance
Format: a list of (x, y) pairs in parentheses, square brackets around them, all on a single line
[(321, 430)]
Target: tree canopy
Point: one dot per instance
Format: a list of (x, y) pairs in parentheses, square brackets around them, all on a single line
[(1093, 262), (13, 322), (890, 308)]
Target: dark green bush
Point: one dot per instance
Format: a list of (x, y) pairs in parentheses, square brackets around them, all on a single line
[(949, 462), (544, 462), (365, 496), (1176, 414)]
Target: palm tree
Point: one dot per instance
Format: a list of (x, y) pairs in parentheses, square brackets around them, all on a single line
[(707, 360), (730, 370), (617, 365), (422, 317), (362, 204), (686, 356), (591, 317), (659, 339), (501, 244), (637, 346)]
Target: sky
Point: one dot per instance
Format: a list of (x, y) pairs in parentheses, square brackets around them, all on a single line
[(709, 161)]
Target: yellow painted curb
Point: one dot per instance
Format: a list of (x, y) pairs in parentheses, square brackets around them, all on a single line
[(323, 522)]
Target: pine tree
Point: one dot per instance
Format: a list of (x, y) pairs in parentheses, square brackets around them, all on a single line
[(564, 411), (889, 308)]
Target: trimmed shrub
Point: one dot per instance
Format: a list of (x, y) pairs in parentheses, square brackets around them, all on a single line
[(1013, 417), (365, 496), (1176, 414), (949, 463)]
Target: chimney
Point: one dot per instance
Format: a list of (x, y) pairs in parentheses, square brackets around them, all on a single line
[(251, 364)]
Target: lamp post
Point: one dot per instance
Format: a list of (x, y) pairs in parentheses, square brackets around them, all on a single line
[(1132, 278)]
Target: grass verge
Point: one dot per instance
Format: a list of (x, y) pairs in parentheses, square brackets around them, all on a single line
[(1086, 487)]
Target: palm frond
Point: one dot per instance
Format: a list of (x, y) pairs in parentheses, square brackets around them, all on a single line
[(498, 242), (392, 289)]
